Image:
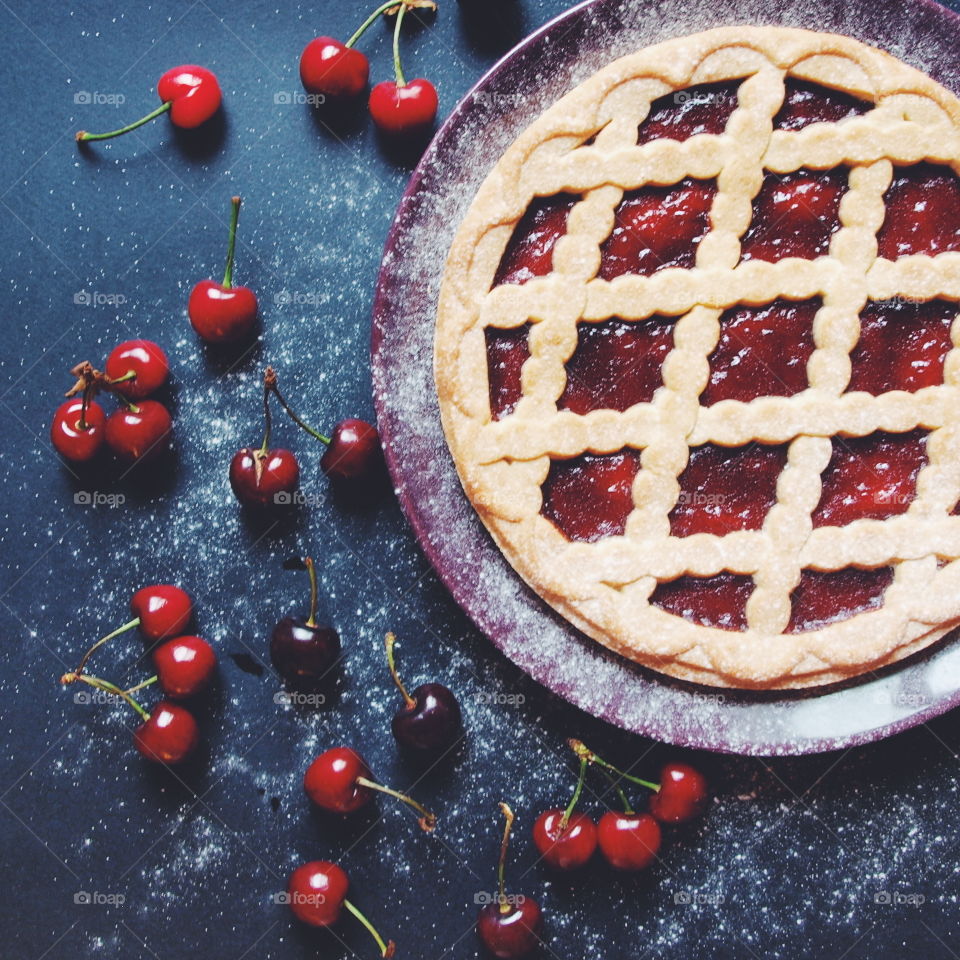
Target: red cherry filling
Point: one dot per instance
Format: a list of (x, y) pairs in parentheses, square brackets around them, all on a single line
[(717, 601), (685, 113), (658, 227), (507, 352), (724, 489), (795, 215), (870, 477), (807, 103), (529, 253), (824, 598), (762, 352), (923, 212), (590, 497), (617, 363), (902, 345)]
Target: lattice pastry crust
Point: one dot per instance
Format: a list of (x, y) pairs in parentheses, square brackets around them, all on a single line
[(604, 588)]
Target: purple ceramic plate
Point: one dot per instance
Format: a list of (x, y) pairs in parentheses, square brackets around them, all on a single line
[(534, 75)]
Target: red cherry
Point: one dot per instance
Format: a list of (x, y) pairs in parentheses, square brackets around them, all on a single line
[(317, 894), (628, 841), (332, 69), (220, 312), (68, 438), (682, 794), (565, 847), (184, 666), (142, 358), (168, 735), (264, 478), (513, 932), (163, 610), (353, 451), (339, 780), (193, 92), (401, 109), (140, 432)]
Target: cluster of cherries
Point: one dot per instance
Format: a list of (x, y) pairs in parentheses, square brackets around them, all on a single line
[(138, 430), (184, 665), (567, 839), (265, 476)]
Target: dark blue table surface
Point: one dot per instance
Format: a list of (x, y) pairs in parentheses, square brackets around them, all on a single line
[(848, 855)]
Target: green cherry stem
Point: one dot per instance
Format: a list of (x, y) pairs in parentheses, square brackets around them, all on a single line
[(627, 808), (129, 375), (397, 69), (502, 862), (129, 625), (98, 683), (271, 385), (269, 377), (145, 683), (231, 242), (312, 571), (82, 135), (362, 29), (386, 949), (584, 752), (427, 820), (565, 819), (388, 642)]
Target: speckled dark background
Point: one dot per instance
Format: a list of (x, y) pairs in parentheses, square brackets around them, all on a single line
[(850, 854)]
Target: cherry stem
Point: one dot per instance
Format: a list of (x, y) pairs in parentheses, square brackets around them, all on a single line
[(389, 641), (565, 819), (397, 69), (129, 375), (82, 135), (312, 571), (98, 683), (627, 808), (84, 404), (231, 242), (362, 29), (501, 863), (270, 382), (268, 378), (145, 683), (386, 949), (116, 633), (584, 752), (427, 820)]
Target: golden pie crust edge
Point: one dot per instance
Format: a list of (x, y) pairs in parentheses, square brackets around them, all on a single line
[(602, 588)]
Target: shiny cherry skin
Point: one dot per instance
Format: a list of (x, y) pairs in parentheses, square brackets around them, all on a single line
[(68, 439), (514, 933), (331, 781), (432, 723), (169, 736), (569, 848), (303, 653), (353, 452), (220, 314), (403, 110), (330, 68), (273, 485), (193, 94), (143, 358), (164, 610), (139, 434), (317, 891), (628, 841), (184, 666), (682, 794)]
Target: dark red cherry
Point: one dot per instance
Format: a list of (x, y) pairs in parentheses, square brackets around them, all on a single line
[(331, 781), (264, 478), (565, 846), (353, 452), (193, 94), (163, 610), (330, 68), (73, 440), (512, 930), (301, 652), (400, 109), (169, 735), (628, 841), (140, 432), (142, 363), (682, 794), (184, 666)]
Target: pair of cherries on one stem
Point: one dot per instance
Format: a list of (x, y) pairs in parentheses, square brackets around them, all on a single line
[(335, 70), (629, 841), (269, 477), (185, 665), (190, 94), (139, 430)]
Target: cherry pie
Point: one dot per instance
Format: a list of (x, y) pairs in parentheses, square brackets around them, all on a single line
[(698, 357)]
